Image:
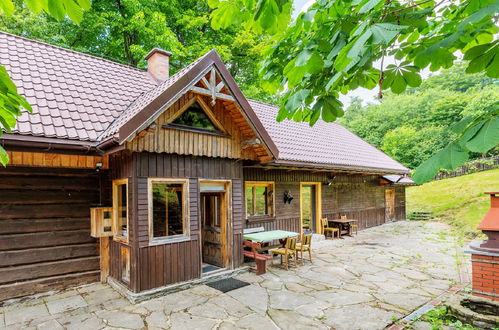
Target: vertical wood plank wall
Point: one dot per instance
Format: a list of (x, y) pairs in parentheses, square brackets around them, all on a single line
[(160, 265), (45, 241), (359, 197), (192, 143)]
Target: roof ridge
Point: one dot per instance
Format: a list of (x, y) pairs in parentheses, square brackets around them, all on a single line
[(72, 51)]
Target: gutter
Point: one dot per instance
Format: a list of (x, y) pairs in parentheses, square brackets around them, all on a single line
[(331, 167), (54, 144)]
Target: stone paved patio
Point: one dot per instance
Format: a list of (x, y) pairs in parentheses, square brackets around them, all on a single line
[(365, 282)]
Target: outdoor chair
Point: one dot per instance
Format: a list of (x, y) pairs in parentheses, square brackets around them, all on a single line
[(354, 227), (305, 246), (287, 251), (326, 229)]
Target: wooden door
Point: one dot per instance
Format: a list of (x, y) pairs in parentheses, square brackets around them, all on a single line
[(389, 204), (214, 223)]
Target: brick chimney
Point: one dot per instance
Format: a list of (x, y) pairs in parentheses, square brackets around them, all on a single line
[(158, 63), (485, 254)]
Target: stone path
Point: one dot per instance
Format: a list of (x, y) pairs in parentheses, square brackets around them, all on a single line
[(365, 282)]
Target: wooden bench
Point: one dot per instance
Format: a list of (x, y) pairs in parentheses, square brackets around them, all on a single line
[(259, 258)]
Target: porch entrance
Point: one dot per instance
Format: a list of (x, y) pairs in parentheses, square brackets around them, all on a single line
[(214, 222), (310, 206)]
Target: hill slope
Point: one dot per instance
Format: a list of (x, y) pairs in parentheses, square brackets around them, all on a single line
[(459, 201)]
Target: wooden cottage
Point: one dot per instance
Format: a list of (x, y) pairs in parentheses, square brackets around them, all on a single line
[(147, 179)]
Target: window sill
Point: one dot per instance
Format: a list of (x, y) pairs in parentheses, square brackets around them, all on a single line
[(260, 218), (168, 240)]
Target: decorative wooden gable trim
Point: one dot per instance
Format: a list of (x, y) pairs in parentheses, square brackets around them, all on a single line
[(207, 110), (159, 137), (214, 87), (208, 77)]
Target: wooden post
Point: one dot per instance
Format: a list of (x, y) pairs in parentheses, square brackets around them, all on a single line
[(104, 259)]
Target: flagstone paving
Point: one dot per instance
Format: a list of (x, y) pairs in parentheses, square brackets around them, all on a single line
[(364, 282)]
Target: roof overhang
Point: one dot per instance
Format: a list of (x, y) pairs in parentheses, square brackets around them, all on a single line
[(46, 144), (152, 110), (286, 164)]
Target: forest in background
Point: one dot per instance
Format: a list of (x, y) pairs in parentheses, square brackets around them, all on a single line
[(412, 126), (125, 31)]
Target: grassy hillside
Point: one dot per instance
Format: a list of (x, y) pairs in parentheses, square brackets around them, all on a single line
[(459, 201)]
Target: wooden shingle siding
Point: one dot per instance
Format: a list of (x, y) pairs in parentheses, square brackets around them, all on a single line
[(183, 142), (45, 240)]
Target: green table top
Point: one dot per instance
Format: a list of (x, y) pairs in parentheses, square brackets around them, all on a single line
[(266, 236)]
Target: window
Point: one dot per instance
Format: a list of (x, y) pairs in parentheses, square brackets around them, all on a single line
[(168, 208), (259, 199), (120, 209), (211, 210), (195, 117)]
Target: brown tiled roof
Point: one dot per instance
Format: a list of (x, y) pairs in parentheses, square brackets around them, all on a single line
[(74, 95), (84, 98), (322, 144), (146, 98)]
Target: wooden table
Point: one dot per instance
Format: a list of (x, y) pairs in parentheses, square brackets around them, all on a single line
[(258, 242), (344, 225)]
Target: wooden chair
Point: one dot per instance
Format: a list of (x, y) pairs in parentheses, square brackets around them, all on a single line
[(326, 229), (352, 226), (288, 250), (305, 245)]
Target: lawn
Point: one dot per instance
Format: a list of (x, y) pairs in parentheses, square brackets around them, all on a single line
[(459, 201)]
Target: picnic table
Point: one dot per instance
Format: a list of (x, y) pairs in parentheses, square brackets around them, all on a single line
[(344, 225), (259, 242)]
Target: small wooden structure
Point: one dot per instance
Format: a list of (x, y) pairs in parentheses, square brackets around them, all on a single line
[(165, 175)]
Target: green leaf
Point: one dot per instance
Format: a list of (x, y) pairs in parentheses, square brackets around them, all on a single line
[(36, 5), (315, 63), (85, 4), (6, 82), (452, 156), (6, 7), (74, 11), (370, 4), (303, 57), (4, 157), (384, 33), (56, 9), (486, 138), (427, 170), (461, 125), (412, 79), (296, 100)]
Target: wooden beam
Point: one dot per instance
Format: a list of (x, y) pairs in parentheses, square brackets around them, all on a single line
[(38, 159), (207, 92)]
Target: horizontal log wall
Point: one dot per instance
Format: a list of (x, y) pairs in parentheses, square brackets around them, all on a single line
[(45, 240), (183, 142), (358, 196)]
